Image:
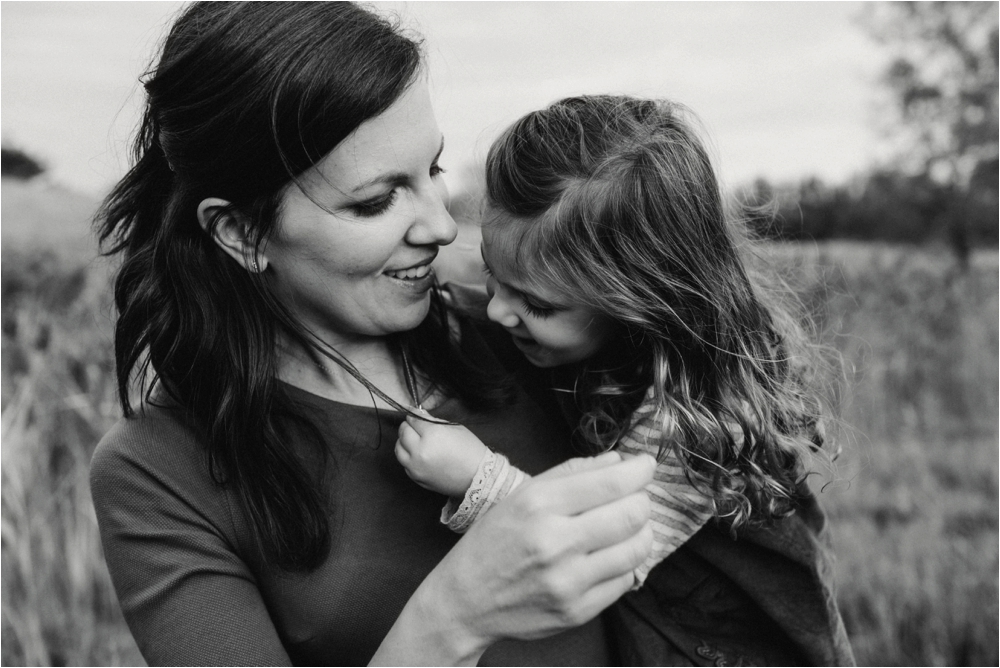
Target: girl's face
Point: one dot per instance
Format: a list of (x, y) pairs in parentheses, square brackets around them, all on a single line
[(549, 329), (352, 251)]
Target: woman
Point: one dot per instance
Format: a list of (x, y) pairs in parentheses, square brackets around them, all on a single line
[(277, 308)]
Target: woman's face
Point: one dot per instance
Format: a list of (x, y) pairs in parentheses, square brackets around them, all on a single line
[(352, 249)]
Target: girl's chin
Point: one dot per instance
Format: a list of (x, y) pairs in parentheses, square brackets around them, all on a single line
[(537, 354)]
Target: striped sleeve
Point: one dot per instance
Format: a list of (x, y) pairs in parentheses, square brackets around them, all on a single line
[(679, 510)]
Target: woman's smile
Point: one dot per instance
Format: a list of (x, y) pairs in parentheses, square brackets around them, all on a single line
[(416, 276), (358, 233)]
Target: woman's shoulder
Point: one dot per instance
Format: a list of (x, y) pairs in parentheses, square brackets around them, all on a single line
[(156, 435), (154, 459)]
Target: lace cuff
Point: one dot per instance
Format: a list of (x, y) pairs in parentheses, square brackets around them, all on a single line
[(493, 481)]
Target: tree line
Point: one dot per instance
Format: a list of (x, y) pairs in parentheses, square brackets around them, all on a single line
[(885, 205)]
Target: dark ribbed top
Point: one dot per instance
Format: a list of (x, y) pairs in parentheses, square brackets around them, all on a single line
[(194, 591)]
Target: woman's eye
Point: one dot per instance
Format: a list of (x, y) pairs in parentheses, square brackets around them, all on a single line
[(437, 170), (374, 207)]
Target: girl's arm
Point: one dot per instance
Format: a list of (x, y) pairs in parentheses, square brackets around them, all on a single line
[(679, 509), (452, 460), (439, 456), (449, 459)]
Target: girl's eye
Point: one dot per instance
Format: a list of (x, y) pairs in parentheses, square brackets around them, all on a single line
[(437, 170), (374, 207), (536, 311)]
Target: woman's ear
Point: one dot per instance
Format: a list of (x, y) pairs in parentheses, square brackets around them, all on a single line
[(231, 232)]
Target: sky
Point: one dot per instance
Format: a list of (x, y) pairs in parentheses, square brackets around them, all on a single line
[(783, 89)]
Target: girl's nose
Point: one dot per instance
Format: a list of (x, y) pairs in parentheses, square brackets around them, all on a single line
[(500, 312)]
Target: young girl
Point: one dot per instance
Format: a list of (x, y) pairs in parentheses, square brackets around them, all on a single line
[(613, 265)]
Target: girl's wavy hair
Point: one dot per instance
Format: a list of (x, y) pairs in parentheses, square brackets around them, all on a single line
[(244, 98), (613, 202)]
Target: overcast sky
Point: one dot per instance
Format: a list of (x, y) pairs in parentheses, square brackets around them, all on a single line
[(783, 89)]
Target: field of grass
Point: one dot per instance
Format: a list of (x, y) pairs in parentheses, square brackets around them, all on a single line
[(913, 509)]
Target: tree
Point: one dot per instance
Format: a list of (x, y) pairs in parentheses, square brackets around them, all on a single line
[(17, 164), (944, 83)]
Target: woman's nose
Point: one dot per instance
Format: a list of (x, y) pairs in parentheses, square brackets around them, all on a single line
[(433, 224), (500, 312)]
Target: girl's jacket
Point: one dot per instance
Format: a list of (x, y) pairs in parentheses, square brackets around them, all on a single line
[(764, 598)]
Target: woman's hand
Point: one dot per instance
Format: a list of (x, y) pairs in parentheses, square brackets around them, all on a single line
[(440, 457), (551, 556)]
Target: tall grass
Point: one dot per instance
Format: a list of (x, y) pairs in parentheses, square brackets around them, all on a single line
[(913, 511), (59, 607)]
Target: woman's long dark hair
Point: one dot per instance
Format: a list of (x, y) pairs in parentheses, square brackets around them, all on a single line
[(244, 98), (613, 201)]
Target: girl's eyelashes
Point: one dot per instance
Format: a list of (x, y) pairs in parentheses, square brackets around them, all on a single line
[(437, 170), (374, 207), (536, 311)]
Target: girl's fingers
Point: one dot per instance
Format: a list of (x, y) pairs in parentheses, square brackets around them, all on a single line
[(592, 486), (402, 454), (408, 437), (416, 423)]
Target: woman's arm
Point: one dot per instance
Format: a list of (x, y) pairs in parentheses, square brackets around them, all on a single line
[(186, 595), (445, 458), (555, 553)]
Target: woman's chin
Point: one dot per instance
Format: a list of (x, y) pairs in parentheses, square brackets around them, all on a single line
[(409, 316)]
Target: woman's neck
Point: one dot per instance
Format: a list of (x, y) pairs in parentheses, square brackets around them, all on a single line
[(374, 358)]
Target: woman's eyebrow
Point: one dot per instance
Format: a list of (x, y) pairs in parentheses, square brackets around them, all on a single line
[(394, 178)]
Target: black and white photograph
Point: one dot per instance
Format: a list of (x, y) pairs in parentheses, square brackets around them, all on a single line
[(500, 333)]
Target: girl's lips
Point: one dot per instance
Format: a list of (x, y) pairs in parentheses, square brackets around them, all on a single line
[(524, 341)]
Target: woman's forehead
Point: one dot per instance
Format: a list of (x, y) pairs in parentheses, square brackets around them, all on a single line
[(398, 142)]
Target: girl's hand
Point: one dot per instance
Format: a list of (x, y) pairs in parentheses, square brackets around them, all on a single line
[(439, 457), (551, 556)]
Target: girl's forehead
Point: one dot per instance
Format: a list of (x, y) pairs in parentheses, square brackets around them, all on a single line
[(501, 248), (515, 261)]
